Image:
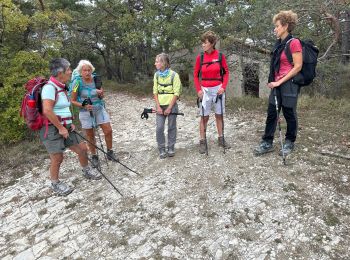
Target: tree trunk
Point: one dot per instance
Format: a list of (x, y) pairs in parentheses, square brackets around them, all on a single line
[(345, 37)]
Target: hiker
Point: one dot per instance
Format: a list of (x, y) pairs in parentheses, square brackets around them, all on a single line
[(58, 134), (280, 80), (211, 76), (166, 90), (88, 98)]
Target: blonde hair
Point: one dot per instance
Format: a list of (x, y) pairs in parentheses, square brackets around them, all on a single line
[(210, 36), (82, 63), (164, 58), (286, 17)]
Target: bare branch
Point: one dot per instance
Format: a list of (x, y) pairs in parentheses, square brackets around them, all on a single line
[(42, 5), (333, 154), (334, 22)]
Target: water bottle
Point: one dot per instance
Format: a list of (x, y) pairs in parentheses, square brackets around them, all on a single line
[(31, 102)]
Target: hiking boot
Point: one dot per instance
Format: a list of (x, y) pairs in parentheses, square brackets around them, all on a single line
[(288, 147), (95, 162), (264, 147), (162, 153), (112, 156), (61, 189), (222, 142), (91, 173), (202, 146), (171, 151)]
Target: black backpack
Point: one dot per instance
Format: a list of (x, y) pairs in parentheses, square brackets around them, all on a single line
[(310, 54), (222, 70)]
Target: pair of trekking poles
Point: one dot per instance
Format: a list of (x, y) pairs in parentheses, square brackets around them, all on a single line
[(95, 127), (200, 103), (147, 111)]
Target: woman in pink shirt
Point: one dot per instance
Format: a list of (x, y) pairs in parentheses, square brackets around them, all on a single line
[(281, 80), (211, 76)]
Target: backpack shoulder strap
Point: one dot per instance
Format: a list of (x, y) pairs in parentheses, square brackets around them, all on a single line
[(220, 61), (57, 91), (77, 84), (288, 51), (201, 60), (157, 78), (172, 77), (200, 64)]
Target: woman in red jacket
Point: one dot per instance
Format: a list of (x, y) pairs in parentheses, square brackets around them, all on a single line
[(211, 76)]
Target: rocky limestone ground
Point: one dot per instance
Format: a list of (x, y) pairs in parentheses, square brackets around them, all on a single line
[(224, 206)]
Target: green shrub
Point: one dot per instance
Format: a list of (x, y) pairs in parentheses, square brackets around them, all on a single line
[(24, 66), (12, 127)]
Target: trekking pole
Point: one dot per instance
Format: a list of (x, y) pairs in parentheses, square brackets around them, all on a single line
[(222, 114), (95, 127), (146, 111), (200, 102), (104, 176), (114, 160), (279, 126)]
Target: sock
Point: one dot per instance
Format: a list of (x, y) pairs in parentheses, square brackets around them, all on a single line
[(55, 181)]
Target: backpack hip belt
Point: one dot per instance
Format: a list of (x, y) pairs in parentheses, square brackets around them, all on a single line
[(62, 119)]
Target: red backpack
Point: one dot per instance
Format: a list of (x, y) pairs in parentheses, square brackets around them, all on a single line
[(31, 109)]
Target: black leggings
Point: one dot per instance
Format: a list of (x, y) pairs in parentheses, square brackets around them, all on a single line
[(271, 121)]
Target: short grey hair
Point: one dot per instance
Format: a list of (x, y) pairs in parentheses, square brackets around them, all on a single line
[(164, 58), (82, 63), (58, 65)]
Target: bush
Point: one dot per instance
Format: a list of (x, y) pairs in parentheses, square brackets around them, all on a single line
[(24, 66), (12, 127), (332, 81)]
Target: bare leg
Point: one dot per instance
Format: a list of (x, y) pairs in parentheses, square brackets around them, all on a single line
[(90, 134), (81, 150), (56, 160), (107, 131), (219, 123), (203, 124)]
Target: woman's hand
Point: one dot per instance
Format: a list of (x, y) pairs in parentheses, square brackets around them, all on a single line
[(64, 132), (72, 127), (167, 111), (159, 111), (100, 92), (274, 84), (89, 107), (221, 91), (200, 94)]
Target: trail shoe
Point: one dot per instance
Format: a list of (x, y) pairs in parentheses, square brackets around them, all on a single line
[(288, 147), (61, 189), (91, 173), (202, 146), (95, 162), (162, 153), (264, 147), (171, 151), (112, 156), (222, 142)]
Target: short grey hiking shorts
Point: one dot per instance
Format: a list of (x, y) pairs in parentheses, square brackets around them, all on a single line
[(99, 117), (210, 99), (54, 142)]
